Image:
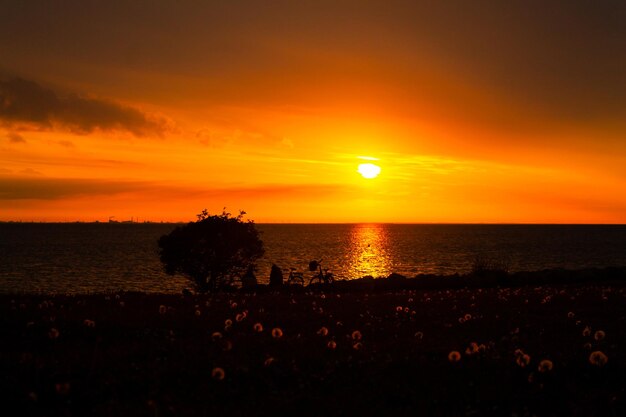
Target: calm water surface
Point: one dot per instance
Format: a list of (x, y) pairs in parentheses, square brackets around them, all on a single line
[(104, 257)]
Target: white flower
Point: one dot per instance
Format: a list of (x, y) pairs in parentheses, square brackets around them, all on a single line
[(598, 358), (545, 365), (454, 356), (218, 374), (53, 334)]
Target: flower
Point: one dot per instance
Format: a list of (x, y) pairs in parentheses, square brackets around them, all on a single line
[(218, 374), (323, 331), (277, 333), (523, 360), (268, 361), (258, 327), (587, 331), (472, 348), (399, 309), (545, 365), (331, 345), (53, 334), (241, 316), (198, 313), (162, 309), (356, 335), (599, 335), (89, 323), (454, 356), (598, 358), (357, 346), (216, 336), (419, 335), (467, 317), (570, 315)]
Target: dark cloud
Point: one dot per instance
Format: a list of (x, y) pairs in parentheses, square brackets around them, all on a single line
[(510, 64), (15, 137), (37, 188), (26, 103), (66, 143), (20, 188)]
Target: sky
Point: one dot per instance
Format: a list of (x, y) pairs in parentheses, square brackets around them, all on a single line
[(152, 110)]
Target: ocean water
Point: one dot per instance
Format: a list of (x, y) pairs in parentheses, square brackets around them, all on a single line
[(78, 258)]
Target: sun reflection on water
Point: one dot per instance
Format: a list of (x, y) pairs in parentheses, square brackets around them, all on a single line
[(369, 251)]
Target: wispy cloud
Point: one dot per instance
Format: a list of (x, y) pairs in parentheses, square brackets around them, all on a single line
[(15, 137), (28, 186), (27, 104), (33, 188)]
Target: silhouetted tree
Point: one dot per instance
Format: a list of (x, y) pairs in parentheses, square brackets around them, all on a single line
[(211, 250)]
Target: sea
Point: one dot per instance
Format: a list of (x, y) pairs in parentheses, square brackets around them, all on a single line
[(105, 257)]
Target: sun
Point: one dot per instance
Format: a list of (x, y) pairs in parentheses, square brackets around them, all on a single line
[(369, 170)]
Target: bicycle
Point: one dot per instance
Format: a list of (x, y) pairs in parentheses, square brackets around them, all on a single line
[(322, 276), (295, 276)]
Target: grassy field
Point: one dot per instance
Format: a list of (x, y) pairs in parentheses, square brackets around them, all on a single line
[(547, 350)]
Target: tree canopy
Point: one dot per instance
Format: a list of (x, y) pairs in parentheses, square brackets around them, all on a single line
[(212, 249)]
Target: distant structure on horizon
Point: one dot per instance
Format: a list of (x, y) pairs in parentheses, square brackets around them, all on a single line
[(132, 220)]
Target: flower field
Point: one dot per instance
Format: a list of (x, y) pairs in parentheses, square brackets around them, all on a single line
[(549, 350)]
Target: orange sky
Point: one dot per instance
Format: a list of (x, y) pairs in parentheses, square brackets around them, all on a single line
[(475, 111)]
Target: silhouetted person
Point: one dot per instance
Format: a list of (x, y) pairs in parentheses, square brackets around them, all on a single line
[(276, 276), (249, 279)]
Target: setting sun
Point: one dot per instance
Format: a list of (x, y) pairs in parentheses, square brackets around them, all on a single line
[(369, 170)]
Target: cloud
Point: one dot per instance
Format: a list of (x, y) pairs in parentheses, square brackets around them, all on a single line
[(276, 191), (30, 171), (15, 137), (211, 139), (38, 188), (26, 103), (287, 143), (12, 188), (66, 143)]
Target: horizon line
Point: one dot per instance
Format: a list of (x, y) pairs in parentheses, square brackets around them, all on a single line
[(321, 223)]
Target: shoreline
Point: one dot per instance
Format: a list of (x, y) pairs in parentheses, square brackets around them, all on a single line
[(612, 276)]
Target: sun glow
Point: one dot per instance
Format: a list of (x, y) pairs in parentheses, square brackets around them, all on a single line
[(369, 170)]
